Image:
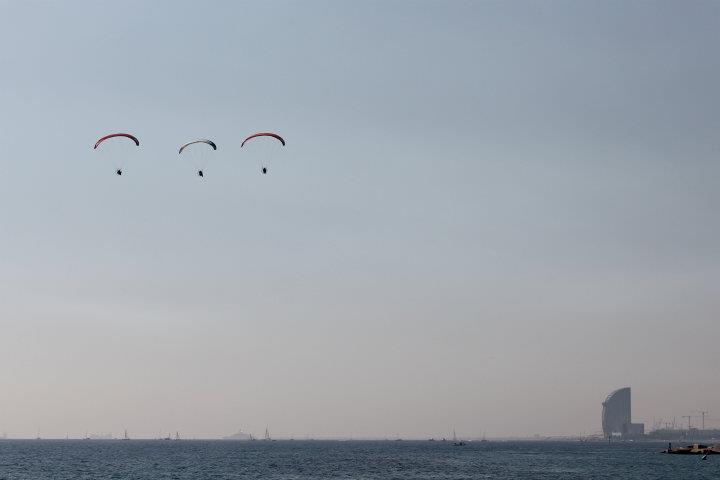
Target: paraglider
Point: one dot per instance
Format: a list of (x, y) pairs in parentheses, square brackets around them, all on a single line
[(116, 148), (266, 144), (196, 151)]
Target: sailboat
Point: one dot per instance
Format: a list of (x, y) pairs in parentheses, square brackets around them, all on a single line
[(267, 435), (125, 436), (177, 435), (456, 442)]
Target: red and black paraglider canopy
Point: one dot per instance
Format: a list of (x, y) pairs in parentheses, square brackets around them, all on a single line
[(126, 135), (264, 134)]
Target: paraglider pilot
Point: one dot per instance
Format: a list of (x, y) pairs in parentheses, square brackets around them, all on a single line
[(264, 170), (200, 173), (118, 171)]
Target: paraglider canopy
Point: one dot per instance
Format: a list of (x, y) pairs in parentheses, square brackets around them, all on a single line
[(126, 135), (264, 134), (209, 142)]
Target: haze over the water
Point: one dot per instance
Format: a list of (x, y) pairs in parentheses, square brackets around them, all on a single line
[(488, 216)]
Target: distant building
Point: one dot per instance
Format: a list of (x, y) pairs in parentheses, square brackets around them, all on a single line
[(616, 416)]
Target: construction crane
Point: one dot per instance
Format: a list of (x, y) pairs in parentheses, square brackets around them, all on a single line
[(688, 417), (702, 413)]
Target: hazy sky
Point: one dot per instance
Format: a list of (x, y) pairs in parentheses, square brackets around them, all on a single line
[(488, 216)]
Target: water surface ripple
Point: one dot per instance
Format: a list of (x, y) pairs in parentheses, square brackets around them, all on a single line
[(186, 459)]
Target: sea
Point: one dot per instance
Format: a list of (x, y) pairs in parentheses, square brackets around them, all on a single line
[(189, 459)]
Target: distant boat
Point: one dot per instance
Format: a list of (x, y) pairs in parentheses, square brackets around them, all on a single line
[(125, 436), (240, 435), (177, 435), (267, 435), (456, 442)]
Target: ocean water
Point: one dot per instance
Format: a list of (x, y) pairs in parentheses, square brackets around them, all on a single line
[(48, 459)]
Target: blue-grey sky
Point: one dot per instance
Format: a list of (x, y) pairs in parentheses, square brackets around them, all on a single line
[(488, 216)]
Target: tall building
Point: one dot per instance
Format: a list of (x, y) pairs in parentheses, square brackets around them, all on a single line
[(616, 416)]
